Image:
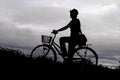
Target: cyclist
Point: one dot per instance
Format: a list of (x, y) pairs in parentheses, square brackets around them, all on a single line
[(75, 28)]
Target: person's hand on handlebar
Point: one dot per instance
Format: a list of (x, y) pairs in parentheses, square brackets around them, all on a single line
[(54, 31)]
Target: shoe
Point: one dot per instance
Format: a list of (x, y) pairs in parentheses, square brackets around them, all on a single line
[(67, 61), (63, 54)]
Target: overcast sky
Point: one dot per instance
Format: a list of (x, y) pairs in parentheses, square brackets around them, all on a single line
[(23, 21)]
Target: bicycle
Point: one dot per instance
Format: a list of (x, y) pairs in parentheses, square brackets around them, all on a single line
[(50, 49)]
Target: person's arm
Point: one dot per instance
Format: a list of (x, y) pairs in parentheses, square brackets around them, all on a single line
[(61, 29), (80, 27), (64, 28), (79, 23)]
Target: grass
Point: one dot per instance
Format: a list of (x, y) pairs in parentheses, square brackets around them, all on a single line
[(12, 57)]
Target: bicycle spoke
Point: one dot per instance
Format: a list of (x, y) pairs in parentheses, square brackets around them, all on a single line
[(88, 54), (44, 51)]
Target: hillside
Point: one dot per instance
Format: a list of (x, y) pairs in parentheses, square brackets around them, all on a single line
[(16, 58)]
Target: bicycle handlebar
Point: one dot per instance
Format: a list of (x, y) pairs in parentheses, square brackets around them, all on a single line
[(54, 32)]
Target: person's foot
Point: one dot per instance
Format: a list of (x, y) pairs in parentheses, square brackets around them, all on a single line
[(63, 54), (67, 61)]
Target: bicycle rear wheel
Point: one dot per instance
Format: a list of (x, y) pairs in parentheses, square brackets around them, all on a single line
[(87, 54), (44, 51)]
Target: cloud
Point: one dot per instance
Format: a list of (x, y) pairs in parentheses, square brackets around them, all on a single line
[(40, 15), (25, 13), (23, 24), (23, 21), (11, 35), (104, 21)]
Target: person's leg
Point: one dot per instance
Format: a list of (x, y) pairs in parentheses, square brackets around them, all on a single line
[(71, 50), (64, 40)]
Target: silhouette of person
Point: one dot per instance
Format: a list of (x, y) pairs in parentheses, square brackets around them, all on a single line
[(75, 29)]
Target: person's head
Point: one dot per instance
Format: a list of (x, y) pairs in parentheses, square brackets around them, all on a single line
[(73, 13)]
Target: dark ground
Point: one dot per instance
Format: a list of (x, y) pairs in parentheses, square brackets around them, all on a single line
[(15, 61)]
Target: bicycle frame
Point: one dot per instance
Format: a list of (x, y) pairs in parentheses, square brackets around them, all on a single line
[(55, 45), (56, 50)]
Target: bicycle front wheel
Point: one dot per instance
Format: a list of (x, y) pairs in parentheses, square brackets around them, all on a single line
[(44, 51), (87, 54)]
